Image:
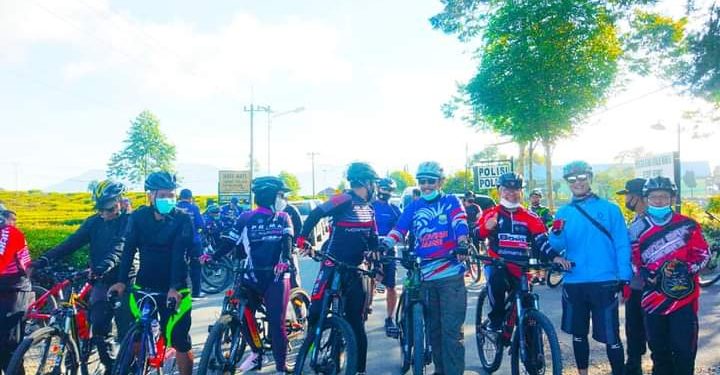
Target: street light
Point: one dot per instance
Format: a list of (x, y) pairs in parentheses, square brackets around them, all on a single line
[(676, 161), (272, 115)]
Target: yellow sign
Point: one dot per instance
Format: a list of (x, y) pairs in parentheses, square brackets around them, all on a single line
[(233, 182)]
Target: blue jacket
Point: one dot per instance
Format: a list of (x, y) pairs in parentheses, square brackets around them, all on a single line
[(386, 216), (196, 217), (596, 258)]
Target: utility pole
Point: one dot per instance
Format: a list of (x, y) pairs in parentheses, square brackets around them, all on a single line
[(312, 158), (252, 109)]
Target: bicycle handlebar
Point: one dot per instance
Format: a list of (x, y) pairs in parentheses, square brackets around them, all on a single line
[(526, 265), (320, 256)]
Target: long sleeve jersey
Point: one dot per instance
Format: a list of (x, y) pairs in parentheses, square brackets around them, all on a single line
[(14, 260), (386, 215), (436, 226), (197, 218), (162, 245), (653, 245), (263, 235)]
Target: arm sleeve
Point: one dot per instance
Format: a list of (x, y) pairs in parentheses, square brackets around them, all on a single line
[(558, 240), (540, 244), (182, 243), (286, 240), (23, 255), (621, 240), (128, 253), (333, 205), (459, 218), (698, 252), (403, 224), (483, 233), (80, 238), (118, 244)]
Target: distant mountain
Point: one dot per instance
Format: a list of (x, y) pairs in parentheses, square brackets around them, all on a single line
[(78, 183)]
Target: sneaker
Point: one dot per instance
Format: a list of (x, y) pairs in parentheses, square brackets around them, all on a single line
[(391, 330), (633, 367), (253, 362)]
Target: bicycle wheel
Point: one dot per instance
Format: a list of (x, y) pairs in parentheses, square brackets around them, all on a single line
[(216, 276), (51, 304), (711, 273), (336, 353), (542, 350), (489, 344), (224, 340), (132, 356), (474, 268), (554, 278), (38, 353), (405, 334), (297, 317), (418, 338)]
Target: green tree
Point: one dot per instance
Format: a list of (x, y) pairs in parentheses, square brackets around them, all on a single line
[(92, 185), (403, 179), (342, 186), (146, 150), (458, 183), (690, 181), (292, 183)]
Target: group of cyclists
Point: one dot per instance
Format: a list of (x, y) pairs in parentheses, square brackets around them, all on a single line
[(651, 264)]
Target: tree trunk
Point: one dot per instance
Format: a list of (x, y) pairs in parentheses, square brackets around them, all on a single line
[(531, 154), (520, 160), (547, 144)]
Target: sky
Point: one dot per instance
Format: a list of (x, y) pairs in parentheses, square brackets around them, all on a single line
[(370, 75)]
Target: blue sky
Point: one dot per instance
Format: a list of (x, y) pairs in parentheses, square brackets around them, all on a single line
[(371, 76)]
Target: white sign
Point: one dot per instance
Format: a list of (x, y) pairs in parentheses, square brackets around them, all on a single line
[(655, 165), (486, 173), (233, 184)]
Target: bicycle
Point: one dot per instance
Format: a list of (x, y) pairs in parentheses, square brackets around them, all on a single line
[(710, 274), (216, 275), (62, 342), (145, 349), (226, 342), (534, 343), (472, 264), (330, 346)]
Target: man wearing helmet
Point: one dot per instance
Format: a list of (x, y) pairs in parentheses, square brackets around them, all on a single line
[(439, 224), (543, 212), (162, 235), (353, 234), (473, 212), (514, 233), (669, 250), (186, 205), (265, 235), (15, 288), (213, 225), (104, 232), (386, 215), (592, 232)]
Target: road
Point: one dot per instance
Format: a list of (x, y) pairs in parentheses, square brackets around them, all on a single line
[(384, 353)]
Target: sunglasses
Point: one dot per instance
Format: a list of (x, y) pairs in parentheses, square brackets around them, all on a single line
[(427, 181), (108, 210), (574, 179)]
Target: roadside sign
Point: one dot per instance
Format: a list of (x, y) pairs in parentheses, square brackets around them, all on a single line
[(486, 173), (233, 184), (655, 165)]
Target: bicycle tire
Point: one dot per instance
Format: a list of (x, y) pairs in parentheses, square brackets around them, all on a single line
[(404, 334), (475, 267), (124, 361), (535, 325), (554, 278), (418, 339), (19, 360), (710, 274), (490, 363), (212, 352), (339, 329), (300, 306), (216, 276)]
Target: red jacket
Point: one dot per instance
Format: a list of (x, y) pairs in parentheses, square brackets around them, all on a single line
[(14, 258), (653, 245)]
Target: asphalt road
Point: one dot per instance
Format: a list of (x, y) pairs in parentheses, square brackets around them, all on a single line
[(384, 353)]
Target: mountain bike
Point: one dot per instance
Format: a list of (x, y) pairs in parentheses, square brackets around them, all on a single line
[(217, 274), (710, 274), (534, 343), (230, 334), (62, 340), (330, 346), (474, 266), (147, 347)]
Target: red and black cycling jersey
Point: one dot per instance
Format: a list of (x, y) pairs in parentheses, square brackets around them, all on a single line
[(518, 235), (14, 260), (353, 230), (653, 245)]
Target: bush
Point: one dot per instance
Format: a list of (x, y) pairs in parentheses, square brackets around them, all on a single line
[(41, 239)]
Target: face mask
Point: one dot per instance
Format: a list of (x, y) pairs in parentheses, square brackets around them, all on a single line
[(431, 195), (659, 212), (370, 190), (507, 204), (280, 204), (164, 205), (383, 196), (631, 204)]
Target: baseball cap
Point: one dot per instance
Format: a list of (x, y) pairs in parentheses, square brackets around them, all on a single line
[(634, 186)]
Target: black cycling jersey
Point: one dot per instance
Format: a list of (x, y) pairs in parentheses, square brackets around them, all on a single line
[(162, 245)]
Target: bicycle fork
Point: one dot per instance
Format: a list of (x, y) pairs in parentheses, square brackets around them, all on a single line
[(330, 303)]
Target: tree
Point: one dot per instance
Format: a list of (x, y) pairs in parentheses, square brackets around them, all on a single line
[(690, 181), (342, 186), (457, 183), (146, 150), (403, 179), (291, 181), (92, 185)]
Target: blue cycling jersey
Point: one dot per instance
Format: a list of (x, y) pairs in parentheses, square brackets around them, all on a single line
[(386, 216)]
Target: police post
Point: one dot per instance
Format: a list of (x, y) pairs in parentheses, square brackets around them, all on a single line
[(486, 173)]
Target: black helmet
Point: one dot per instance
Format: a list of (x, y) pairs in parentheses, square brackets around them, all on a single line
[(106, 191), (387, 184), (659, 183), (268, 184), (469, 194), (359, 171), (510, 180), (160, 181), (185, 194)]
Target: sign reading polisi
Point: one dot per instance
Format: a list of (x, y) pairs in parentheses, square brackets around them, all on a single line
[(486, 173), (233, 184)]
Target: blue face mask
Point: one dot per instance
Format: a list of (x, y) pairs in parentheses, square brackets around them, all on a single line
[(659, 212), (431, 195), (164, 205)]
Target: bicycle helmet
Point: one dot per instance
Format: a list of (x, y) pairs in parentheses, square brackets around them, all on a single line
[(470, 195), (213, 209), (510, 180), (160, 181), (359, 171), (577, 167), (537, 192), (268, 184), (186, 194), (387, 184), (659, 183), (430, 169), (106, 191)]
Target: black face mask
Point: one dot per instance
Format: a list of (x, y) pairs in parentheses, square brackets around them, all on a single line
[(384, 196), (630, 205)]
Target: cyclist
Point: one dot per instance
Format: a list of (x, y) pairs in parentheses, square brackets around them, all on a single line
[(126, 206), (353, 234), (439, 225), (544, 212), (514, 233), (104, 232), (669, 250), (634, 325), (473, 212), (592, 232), (297, 223), (162, 235), (15, 288), (10, 217), (186, 205), (265, 235), (213, 225), (386, 216), (230, 211)]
